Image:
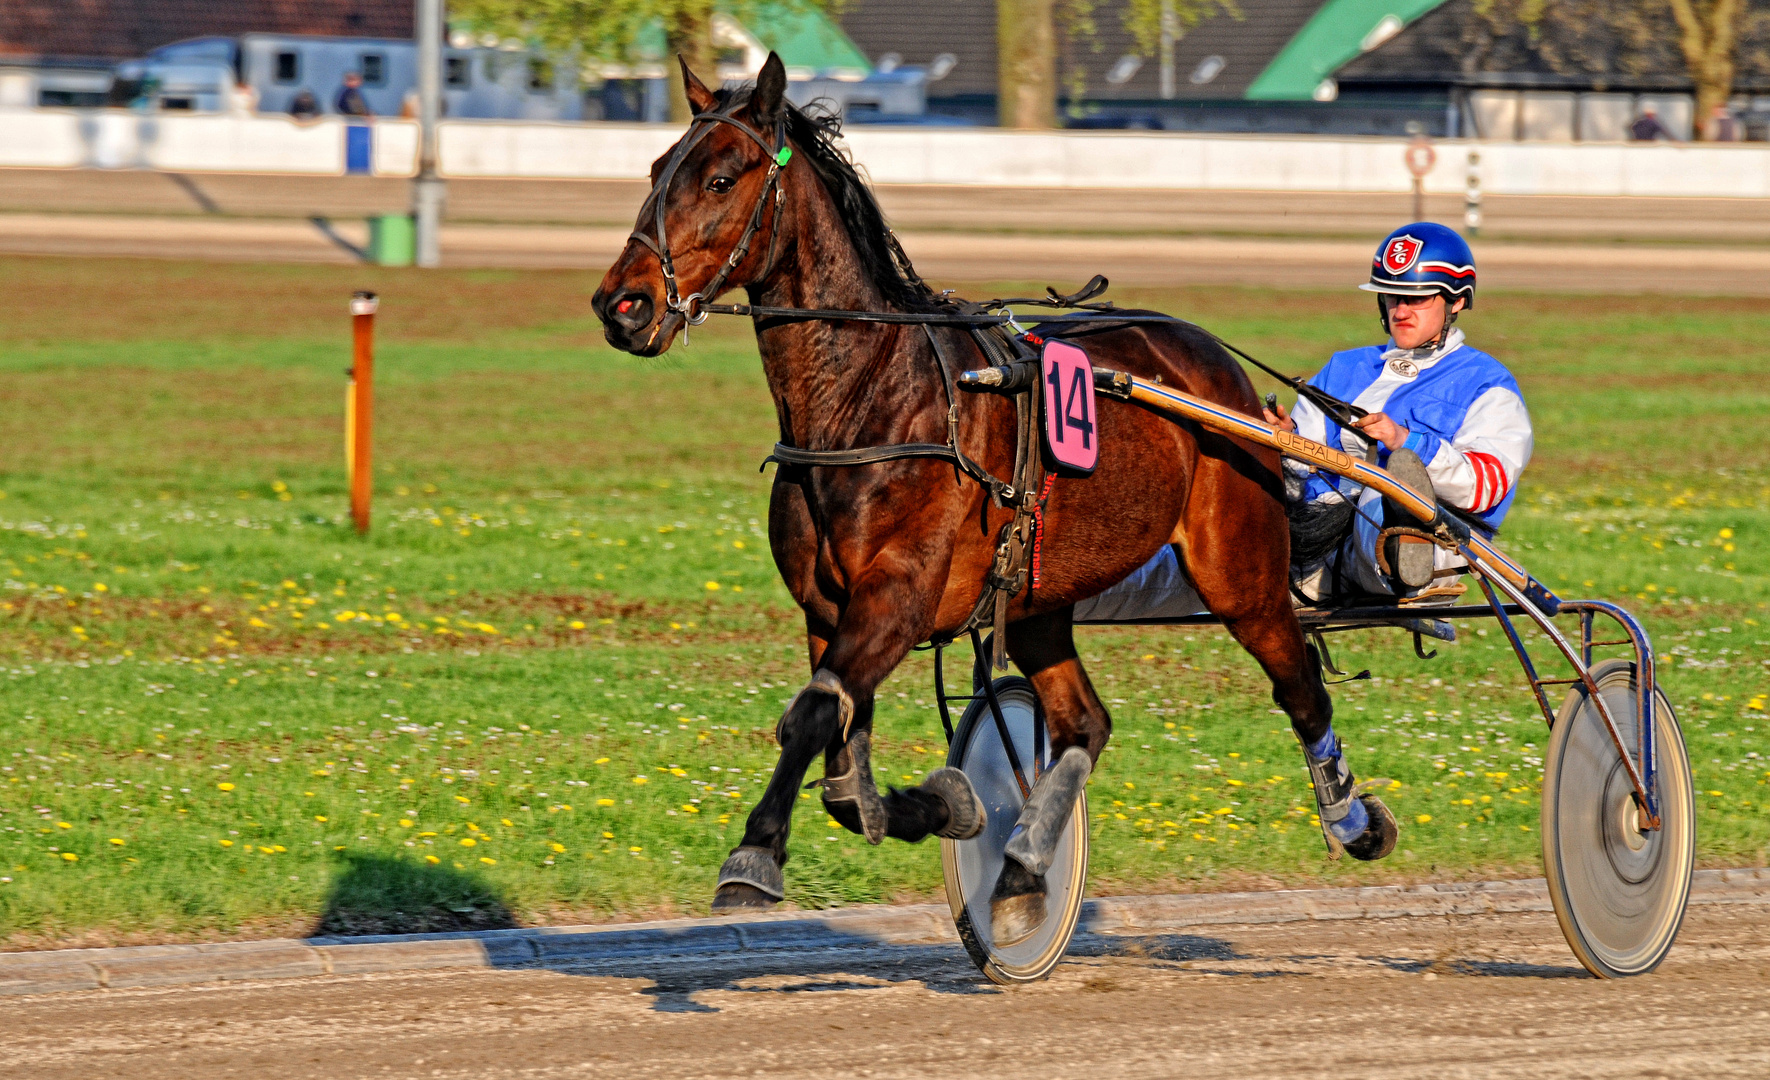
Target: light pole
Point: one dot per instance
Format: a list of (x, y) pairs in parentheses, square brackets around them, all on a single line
[(427, 190)]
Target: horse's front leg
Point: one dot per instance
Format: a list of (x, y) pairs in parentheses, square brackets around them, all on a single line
[(887, 613)]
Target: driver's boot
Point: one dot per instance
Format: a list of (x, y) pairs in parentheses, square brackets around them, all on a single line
[(1410, 558)]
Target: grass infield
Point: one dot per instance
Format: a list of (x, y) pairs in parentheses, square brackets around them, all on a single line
[(543, 688)]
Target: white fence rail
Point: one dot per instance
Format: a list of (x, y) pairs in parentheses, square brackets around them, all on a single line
[(116, 139)]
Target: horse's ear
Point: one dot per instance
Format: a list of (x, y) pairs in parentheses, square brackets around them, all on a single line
[(770, 98), (698, 95)]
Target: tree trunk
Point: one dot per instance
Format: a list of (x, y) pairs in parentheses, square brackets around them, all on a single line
[(1708, 38), (691, 37), (1026, 64)]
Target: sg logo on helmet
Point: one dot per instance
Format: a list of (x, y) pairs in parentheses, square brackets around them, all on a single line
[(1401, 254)]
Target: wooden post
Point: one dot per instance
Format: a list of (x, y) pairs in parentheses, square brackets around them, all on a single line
[(1420, 158), (360, 411)]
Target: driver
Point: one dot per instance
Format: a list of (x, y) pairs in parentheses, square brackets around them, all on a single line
[(1444, 418)]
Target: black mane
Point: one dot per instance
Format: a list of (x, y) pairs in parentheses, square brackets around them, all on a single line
[(815, 133)]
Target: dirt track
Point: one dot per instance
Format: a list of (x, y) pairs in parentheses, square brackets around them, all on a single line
[(1442, 998), (955, 234)]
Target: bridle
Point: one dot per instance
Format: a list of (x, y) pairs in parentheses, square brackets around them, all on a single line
[(690, 308)]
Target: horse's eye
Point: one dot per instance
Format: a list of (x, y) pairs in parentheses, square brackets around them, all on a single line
[(721, 185)]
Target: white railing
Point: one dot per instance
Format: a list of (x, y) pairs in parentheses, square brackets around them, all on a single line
[(117, 139)]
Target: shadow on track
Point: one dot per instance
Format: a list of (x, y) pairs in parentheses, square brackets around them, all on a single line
[(377, 894), (841, 964)]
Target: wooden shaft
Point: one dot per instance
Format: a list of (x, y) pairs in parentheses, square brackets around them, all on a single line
[(1229, 422), (362, 477)]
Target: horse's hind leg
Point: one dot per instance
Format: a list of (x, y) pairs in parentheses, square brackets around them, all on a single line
[(1250, 594), (1079, 725)]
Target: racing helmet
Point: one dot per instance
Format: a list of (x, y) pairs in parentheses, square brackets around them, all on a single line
[(1422, 259)]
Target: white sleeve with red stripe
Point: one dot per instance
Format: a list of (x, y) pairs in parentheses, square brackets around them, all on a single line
[(1477, 469)]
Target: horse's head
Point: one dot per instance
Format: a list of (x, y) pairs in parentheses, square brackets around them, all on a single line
[(711, 221)]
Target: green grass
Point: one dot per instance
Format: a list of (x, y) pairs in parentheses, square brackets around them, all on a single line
[(564, 640)]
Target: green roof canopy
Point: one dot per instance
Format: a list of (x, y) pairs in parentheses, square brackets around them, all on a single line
[(1336, 34), (805, 38)]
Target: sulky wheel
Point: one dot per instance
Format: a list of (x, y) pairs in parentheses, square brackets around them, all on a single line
[(1619, 892), (972, 865)]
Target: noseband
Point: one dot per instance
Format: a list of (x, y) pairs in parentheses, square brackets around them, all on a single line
[(688, 308)]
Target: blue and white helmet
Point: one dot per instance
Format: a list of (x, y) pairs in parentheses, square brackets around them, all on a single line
[(1422, 259)]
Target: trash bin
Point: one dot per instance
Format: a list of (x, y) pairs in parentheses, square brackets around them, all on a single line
[(359, 149), (392, 240)]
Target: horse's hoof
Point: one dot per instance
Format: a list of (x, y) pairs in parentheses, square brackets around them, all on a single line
[(750, 880), (1013, 919), (966, 814), (1379, 837), (1017, 906), (736, 897)]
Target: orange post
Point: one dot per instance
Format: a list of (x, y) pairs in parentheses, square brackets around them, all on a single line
[(359, 411)]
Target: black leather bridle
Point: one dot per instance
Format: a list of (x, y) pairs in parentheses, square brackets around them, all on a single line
[(690, 308)]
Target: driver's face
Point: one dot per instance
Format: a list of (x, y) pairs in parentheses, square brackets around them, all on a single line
[(1415, 320)]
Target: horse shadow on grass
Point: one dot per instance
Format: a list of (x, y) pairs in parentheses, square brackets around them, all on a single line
[(820, 961), (381, 894)]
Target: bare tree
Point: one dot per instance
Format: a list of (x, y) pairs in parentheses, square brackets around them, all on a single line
[(1709, 36), (1714, 40), (1026, 64)]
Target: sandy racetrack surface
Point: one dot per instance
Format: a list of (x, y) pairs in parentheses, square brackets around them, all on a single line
[(1481, 996)]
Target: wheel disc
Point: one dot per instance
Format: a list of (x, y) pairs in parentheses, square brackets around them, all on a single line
[(1619, 891), (972, 866)]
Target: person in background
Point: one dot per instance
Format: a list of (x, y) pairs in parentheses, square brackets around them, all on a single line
[(245, 99), (1723, 126), (305, 106), (351, 101), (1647, 127)]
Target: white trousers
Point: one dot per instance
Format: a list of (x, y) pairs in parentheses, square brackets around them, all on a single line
[(1160, 589)]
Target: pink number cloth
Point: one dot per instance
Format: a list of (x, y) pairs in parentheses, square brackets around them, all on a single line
[(1071, 433)]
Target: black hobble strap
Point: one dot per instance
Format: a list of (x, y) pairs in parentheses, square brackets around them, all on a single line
[(1317, 528)]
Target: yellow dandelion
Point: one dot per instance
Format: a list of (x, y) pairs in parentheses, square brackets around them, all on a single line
[(69, 856), (63, 825), (319, 817), (602, 761), (712, 586), (641, 780), (1423, 819), (556, 848), (405, 823), (488, 862), (605, 802), (227, 843), (116, 841), (432, 859), (468, 841), (224, 786), (577, 624)]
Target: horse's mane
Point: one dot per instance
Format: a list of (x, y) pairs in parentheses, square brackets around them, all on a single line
[(816, 132)]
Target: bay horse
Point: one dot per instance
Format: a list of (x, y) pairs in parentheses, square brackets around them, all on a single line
[(883, 556)]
